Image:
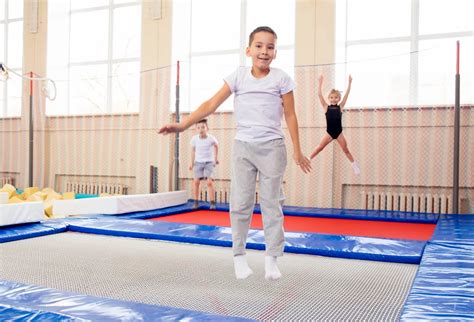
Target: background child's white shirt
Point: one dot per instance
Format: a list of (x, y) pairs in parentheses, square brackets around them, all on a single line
[(258, 106), (204, 148)]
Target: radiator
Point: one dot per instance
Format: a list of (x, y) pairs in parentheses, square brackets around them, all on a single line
[(222, 193), (95, 188), (222, 190), (6, 180), (411, 202), (221, 196)]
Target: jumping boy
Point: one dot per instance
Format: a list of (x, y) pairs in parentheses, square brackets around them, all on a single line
[(262, 95), (203, 160)]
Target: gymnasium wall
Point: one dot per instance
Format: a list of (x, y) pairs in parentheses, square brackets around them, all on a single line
[(399, 149)]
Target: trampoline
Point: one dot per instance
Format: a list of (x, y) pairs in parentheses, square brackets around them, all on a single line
[(201, 278), (338, 226), (86, 268)]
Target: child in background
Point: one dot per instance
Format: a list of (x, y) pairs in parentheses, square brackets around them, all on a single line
[(333, 114), (203, 161), (262, 95)]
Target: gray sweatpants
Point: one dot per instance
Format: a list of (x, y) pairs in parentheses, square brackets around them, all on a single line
[(268, 160)]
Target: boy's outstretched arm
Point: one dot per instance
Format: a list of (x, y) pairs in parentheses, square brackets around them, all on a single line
[(320, 93), (292, 123), (348, 90), (206, 108)]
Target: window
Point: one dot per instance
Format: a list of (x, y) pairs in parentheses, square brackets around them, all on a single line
[(405, 54), (11, 54), (209, 49), (94, 56)]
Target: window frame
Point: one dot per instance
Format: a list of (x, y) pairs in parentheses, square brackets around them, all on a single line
[(413, 39), (110, 61), (6, 21), (187, 79)]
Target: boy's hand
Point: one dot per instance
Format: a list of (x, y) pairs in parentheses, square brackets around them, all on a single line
[(302, 161), (171, 128)]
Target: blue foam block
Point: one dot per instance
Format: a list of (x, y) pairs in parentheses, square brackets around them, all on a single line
[(380, 249), (12, 314), (455, 228), (376, 215), (444, 286), (23, 302), (30, 230)]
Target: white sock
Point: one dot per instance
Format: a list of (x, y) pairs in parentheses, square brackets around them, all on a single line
[(241, 267), (355, 167), (271, 269)]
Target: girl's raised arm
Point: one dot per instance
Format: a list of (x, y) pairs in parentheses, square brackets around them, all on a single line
[(344, 99)]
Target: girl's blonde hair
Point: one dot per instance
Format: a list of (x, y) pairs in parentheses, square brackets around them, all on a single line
[(335, 91)]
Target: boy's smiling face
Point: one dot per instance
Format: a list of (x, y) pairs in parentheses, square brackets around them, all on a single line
[(201, 128), (262, 50)]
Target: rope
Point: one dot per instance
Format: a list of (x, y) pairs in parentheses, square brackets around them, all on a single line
[(5, 71)]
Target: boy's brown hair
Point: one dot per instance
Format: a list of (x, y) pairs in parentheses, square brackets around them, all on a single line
[(203, 121), (261, 29)]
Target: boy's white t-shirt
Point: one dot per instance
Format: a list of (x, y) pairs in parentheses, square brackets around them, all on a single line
[(204, 148), (258, 106)]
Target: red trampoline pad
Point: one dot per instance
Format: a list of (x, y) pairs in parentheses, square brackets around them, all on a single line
[(334, 226)]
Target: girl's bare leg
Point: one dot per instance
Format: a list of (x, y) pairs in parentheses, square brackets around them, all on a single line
[(343, 143), (324, 141)]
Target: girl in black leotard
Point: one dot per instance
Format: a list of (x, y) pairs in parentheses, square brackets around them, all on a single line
[(333, 113)]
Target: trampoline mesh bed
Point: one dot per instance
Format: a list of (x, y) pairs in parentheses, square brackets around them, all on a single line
[(201, 278)]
